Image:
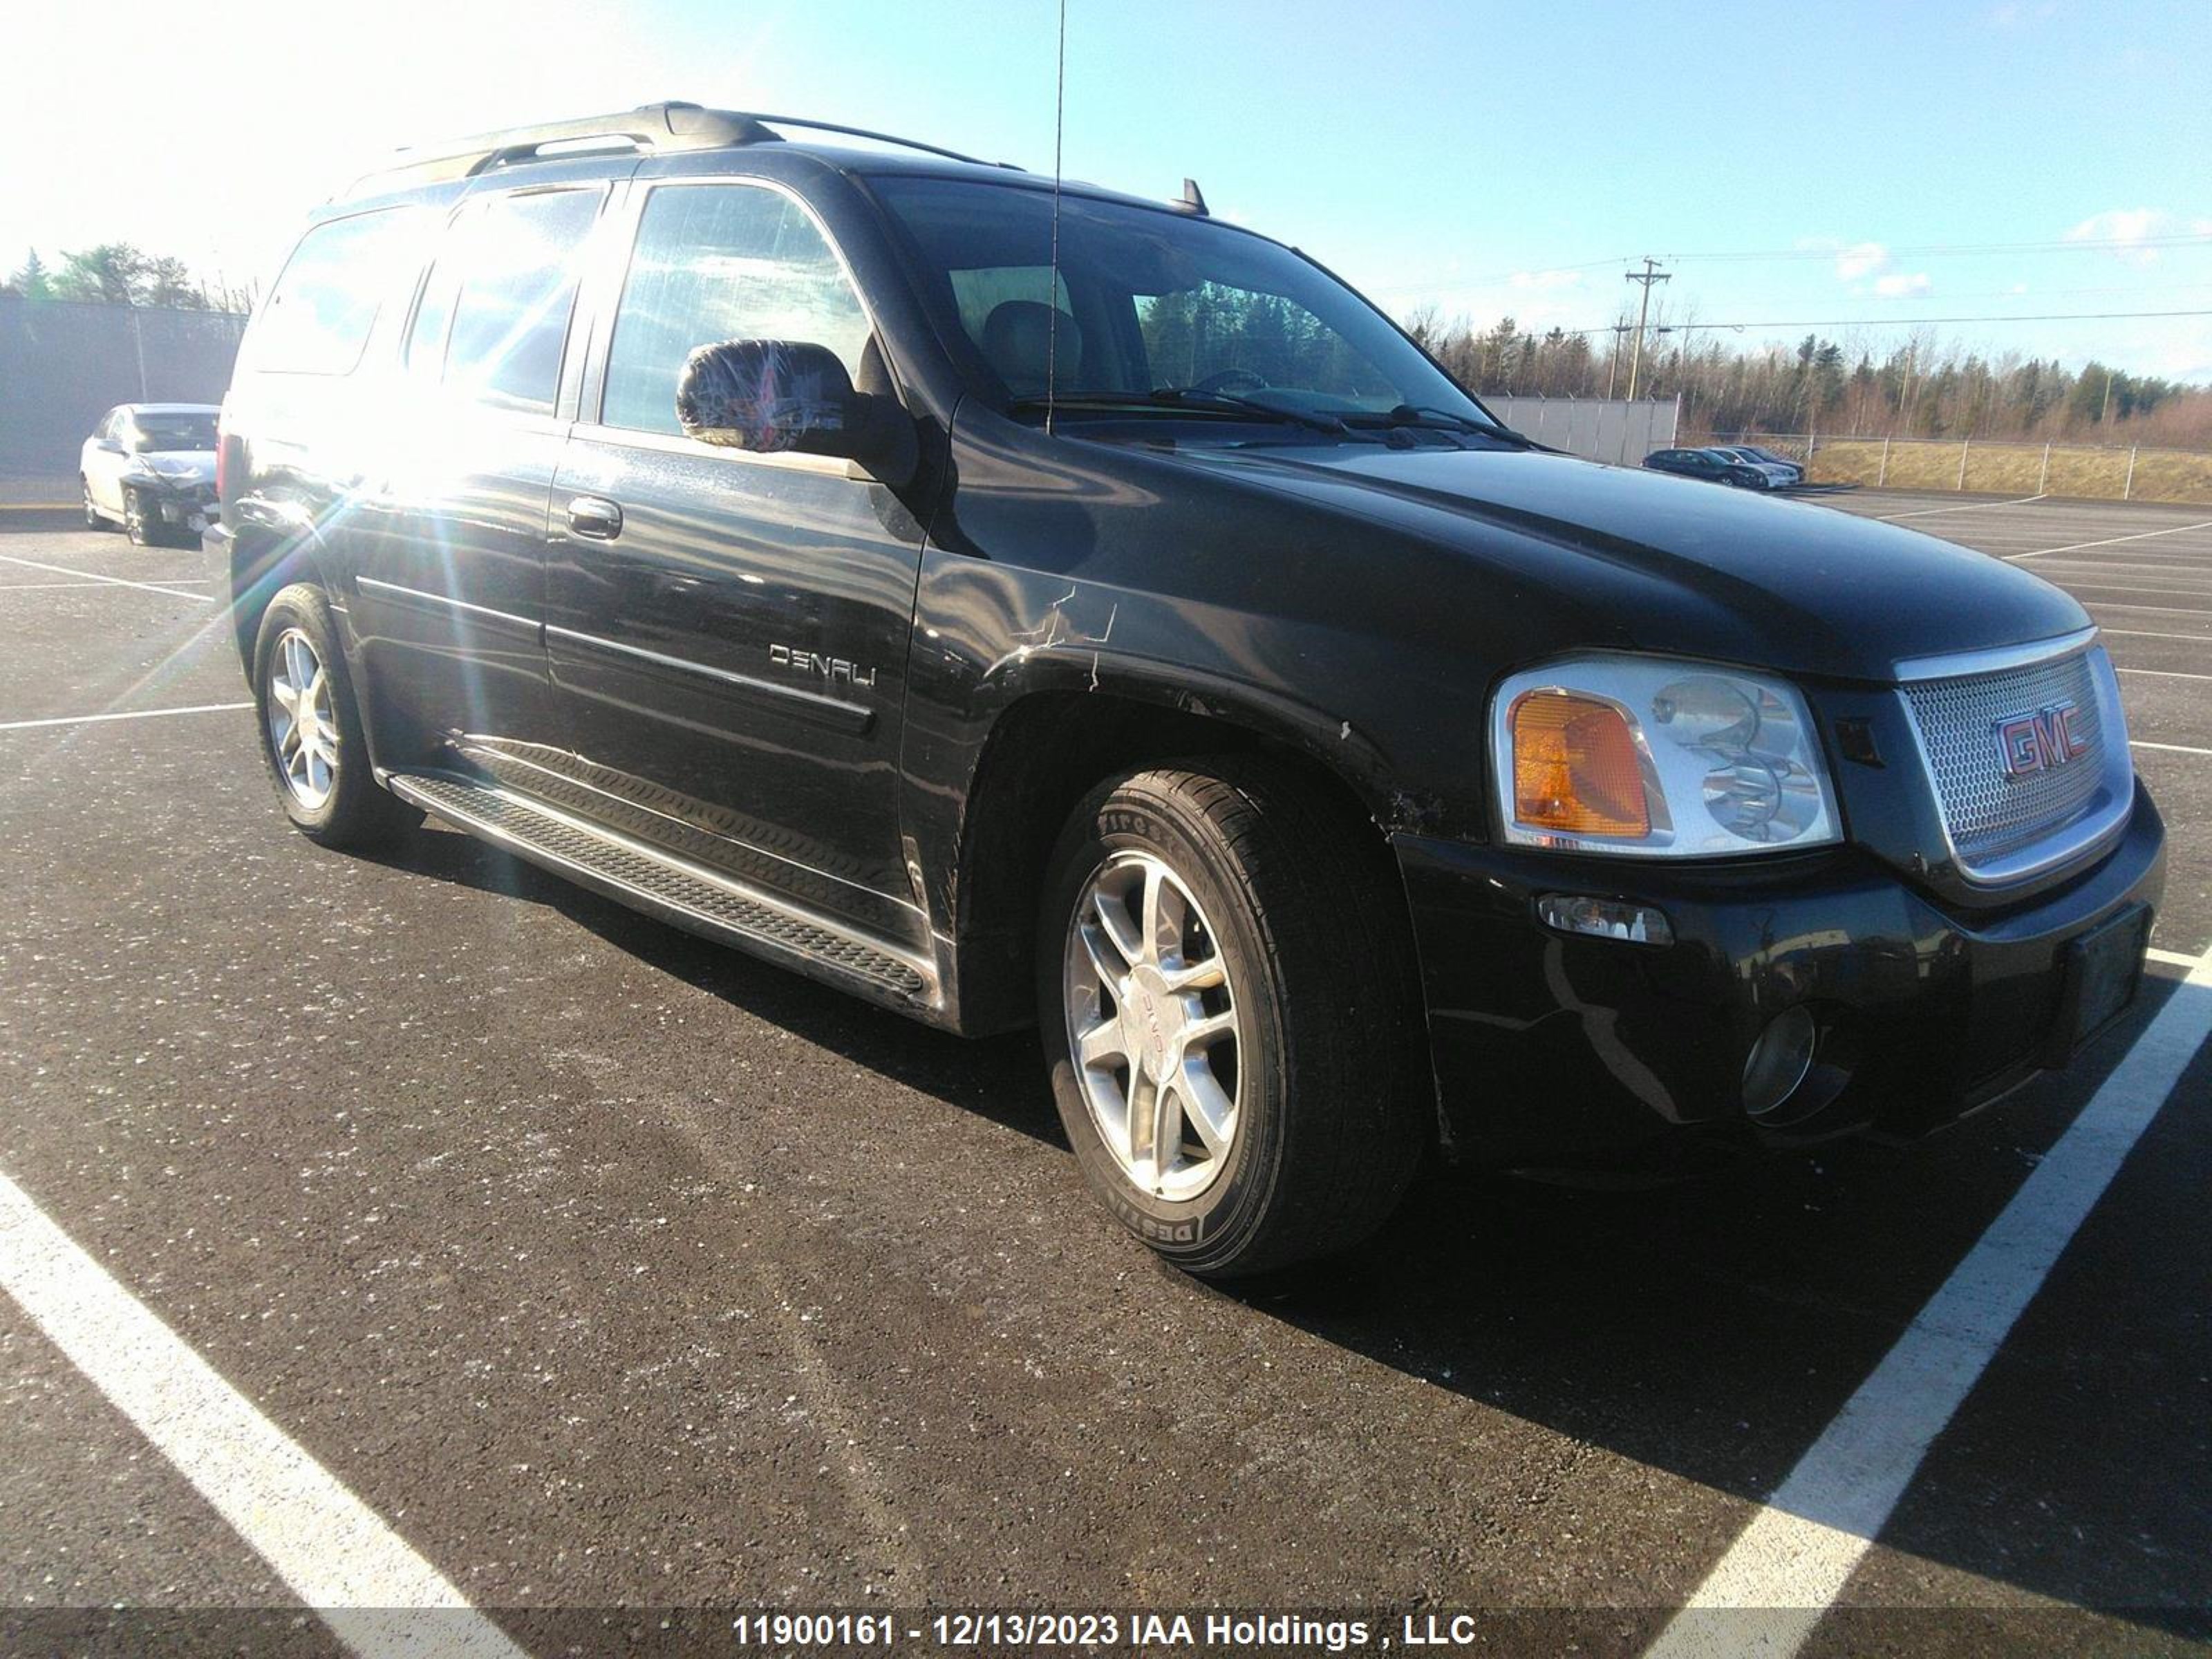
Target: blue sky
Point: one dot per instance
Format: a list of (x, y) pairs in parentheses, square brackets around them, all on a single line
[(1478, 158)]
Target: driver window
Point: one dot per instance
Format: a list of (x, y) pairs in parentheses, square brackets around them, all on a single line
[(715, 263)]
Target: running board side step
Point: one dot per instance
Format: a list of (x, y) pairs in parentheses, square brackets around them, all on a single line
[(696, 899)]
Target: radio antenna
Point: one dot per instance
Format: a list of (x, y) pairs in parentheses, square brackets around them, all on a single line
[(1051, 294)]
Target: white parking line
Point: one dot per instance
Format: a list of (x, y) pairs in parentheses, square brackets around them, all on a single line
[(333, 1551), (1788, 1566), (1971, 507), (2170, 748), (2144, 634), (2142, 536), (125, 715), (41, 587), (2171, 958), (94, 576), (2165, 673)]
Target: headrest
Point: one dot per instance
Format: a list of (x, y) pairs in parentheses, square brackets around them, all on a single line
[(1022, 336)]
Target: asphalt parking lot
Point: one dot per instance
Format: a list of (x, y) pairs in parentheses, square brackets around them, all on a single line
[(610, 1270)]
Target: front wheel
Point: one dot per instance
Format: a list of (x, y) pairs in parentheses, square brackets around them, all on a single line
[(136, 525), (1227, 991), (311, 728)]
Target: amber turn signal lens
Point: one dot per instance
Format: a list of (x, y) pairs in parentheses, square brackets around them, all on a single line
[(1574, 769)]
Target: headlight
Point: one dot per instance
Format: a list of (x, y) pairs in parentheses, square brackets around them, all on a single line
[(1658, 758)]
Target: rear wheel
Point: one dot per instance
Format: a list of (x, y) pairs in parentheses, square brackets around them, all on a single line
[(311, 728), (94, 518), (1225, 988)]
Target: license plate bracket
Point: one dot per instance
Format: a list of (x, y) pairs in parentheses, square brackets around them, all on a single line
[(2099, 974)]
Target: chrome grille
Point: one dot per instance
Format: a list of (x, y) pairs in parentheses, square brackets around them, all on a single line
[(1988, 813)]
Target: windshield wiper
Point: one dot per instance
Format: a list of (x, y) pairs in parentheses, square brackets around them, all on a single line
[(1177, 398), (1424, 415)]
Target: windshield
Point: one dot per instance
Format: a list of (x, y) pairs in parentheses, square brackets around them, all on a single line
[(155, 433), (1147, 300)]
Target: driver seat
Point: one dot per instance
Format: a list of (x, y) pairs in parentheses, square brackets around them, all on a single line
[(1019, 341)]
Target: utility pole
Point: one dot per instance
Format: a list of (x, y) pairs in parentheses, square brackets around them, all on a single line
[(1649, 275), (1613, 359)]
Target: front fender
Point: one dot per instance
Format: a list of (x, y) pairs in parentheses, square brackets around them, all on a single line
[(992, 635)]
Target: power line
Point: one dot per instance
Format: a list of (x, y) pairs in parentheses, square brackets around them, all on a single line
[(1915, 250), (2060, 245), (1890, 322)]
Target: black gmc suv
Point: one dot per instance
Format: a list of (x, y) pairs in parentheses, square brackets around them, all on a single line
[(1010, 603)]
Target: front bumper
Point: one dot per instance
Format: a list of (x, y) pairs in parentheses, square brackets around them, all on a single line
[(1567, 1052), (187, 505)]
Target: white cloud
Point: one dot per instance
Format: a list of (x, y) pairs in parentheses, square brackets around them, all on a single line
[(1540, 280), (1861, 259), (2128, 228), (1899, 286)]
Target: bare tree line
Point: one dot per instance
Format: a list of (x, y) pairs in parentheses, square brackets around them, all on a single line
[(1925, 387)]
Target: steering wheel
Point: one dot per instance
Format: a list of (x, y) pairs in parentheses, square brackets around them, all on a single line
[(1222, 380)]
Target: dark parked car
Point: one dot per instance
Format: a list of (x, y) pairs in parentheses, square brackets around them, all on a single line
[(1715, 467), (150, 468), (1768, 457), (1010, 605)]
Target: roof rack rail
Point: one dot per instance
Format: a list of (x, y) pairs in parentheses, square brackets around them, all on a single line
[(883, 138), (650, 129)]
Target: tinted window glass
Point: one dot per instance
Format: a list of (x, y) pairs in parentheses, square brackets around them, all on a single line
[(979, 292), (1150, 298), (182, 429), (318, 315), (495, 314), (715, 263)]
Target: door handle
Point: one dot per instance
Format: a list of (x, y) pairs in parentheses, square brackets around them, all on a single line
[(594, 518)]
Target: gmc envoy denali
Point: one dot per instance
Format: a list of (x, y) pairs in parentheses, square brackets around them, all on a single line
[(1009, 602)]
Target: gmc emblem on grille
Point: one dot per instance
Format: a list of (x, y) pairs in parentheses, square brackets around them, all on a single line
[(2027, 744)]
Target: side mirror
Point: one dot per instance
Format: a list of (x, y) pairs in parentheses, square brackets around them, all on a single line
[(775, 395), (111, 446)]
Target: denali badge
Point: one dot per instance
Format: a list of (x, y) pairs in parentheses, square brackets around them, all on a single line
[(834, 670), (2039, 741)]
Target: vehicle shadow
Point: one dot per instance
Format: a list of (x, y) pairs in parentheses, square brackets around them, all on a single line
[(1710, 1328), (999, 1078)]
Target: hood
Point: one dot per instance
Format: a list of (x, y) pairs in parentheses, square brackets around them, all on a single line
[(179, 465), (1659, 564)]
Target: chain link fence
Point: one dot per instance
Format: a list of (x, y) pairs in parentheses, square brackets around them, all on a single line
[(63, 365), (1978, 466)]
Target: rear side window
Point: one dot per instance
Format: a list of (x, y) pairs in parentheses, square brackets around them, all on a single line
[(715, 263), (495, 317), (318, 315)]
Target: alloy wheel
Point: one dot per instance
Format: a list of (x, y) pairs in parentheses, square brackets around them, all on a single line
[(1152, 1025), (303, 728)]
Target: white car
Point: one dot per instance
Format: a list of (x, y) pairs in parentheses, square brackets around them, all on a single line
[(150, 468)]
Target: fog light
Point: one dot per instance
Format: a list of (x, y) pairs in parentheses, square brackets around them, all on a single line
[(1778, 1061), (1639, 923)]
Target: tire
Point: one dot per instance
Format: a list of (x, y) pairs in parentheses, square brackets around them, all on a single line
[(334, 800), (1290, 903), (135, 524), (93, 518)]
